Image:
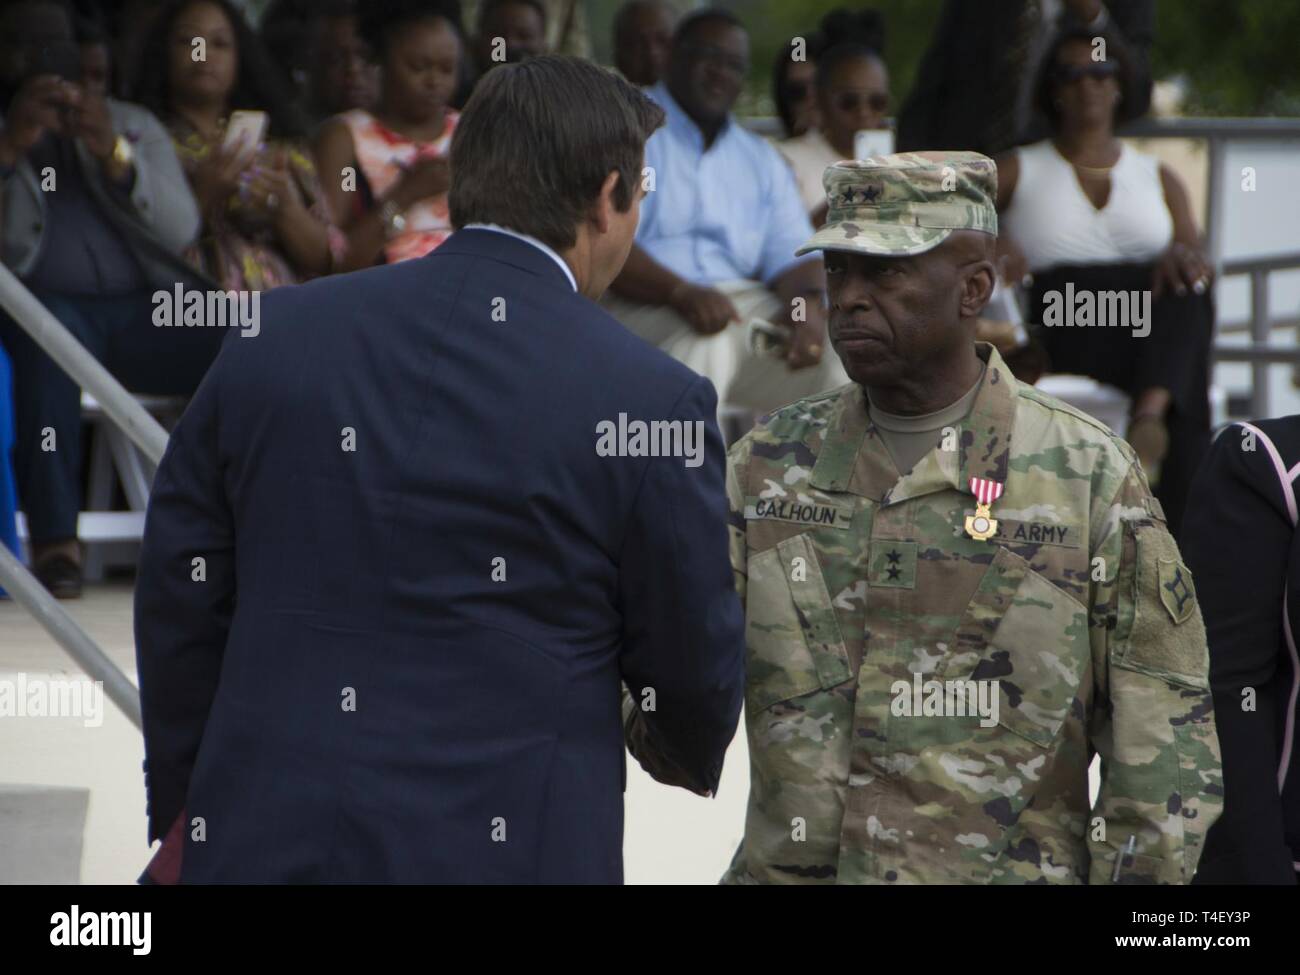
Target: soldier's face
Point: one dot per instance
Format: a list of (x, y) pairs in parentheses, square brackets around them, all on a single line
[(892, 318)]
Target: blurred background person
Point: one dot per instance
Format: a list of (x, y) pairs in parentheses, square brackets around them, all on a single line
[(96, 56), (265, 222), (343, 75), (715, 247), (974, 87), (318, 45), (1083, 211), (93, 246), (1242, 546), (128, 23), (397, 209), (793, 85), (643, 33), (508, 31), (286, 30), (851, 87)]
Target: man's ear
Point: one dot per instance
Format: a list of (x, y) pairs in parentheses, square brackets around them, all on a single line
[(977, 287), (604, 210)]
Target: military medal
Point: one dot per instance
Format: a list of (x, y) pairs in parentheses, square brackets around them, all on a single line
[(981, 526)]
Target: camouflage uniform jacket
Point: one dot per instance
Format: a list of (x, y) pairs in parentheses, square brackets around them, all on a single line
[(855, 578)]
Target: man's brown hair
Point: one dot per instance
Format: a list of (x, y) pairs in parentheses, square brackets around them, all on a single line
[(537, 140)]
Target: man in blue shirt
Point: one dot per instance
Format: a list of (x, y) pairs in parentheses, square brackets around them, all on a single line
[(718, 233)]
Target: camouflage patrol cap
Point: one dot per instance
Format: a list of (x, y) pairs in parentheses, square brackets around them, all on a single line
[(906, 203)]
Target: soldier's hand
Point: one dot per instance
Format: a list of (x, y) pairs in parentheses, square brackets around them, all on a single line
[(705, 310)]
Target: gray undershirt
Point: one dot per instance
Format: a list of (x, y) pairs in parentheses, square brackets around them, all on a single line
[(909, 438)]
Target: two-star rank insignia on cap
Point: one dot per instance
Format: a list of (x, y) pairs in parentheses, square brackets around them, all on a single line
[(981, 526)]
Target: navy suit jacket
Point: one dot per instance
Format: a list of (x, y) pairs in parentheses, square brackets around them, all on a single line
[(400, 656)]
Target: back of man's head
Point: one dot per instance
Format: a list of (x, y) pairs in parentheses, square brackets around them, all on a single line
[(537, 141)]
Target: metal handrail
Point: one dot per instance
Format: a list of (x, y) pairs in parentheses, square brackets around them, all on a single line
[(147, 434), (1268, 263)]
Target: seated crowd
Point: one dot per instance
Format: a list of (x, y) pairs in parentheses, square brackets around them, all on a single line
[(243, 160)]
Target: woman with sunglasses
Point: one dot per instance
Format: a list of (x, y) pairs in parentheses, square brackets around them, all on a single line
[(792, 86), (1085, 214), (852, 93)]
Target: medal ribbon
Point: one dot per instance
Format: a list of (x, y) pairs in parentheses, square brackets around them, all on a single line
[(985, 490)]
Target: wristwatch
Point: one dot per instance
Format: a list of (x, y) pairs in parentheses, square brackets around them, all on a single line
[(390, 214)]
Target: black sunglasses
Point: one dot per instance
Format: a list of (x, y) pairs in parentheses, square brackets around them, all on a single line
[(1069, 73)]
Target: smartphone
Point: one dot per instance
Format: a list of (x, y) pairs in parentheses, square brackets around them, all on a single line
[(251, 126), (873, 142)]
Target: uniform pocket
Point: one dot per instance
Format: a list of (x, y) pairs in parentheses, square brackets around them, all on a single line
[(791, 634), (1032, 638)]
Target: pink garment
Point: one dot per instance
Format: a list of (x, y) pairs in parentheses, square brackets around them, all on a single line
[(383, 156)]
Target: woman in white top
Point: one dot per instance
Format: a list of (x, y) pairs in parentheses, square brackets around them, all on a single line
[(852, 91), (1090, 218)]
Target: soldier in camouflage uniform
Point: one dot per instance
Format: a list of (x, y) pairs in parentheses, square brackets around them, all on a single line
[(860, 582)]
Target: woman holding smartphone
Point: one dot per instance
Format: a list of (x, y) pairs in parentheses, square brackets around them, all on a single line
[(265, 222)]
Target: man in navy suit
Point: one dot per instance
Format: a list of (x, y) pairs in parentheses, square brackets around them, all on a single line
[(408, 541)]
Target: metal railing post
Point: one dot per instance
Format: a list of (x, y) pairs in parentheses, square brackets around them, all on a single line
[(1214, 202), (1259, 329)]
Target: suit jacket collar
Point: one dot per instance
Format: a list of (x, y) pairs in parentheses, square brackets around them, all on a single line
[(508, 250), (854, 458)]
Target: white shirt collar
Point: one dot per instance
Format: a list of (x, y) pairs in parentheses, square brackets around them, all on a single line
[(548, 251)]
